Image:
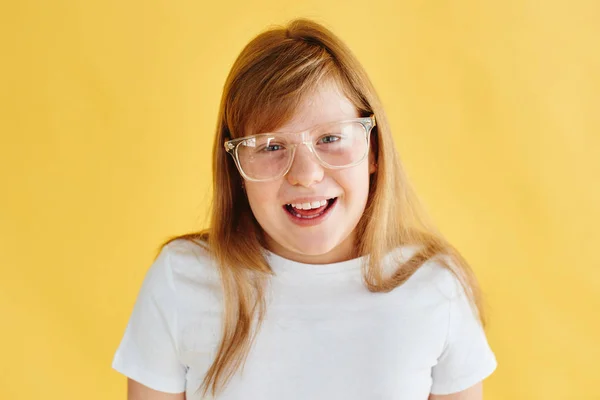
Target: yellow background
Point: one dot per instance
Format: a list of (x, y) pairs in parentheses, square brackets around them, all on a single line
[(107, 119)]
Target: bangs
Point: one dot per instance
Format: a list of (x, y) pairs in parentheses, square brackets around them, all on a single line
[(268, 93)]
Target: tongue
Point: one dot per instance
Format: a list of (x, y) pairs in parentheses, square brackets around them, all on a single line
[(312, 211)]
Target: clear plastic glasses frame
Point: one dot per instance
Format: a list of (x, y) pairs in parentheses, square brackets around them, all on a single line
[(232, 146)]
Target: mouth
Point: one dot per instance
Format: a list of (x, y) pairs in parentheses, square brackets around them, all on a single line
[(310, 214)]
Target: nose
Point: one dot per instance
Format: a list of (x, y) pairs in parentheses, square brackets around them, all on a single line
[(305, 169)]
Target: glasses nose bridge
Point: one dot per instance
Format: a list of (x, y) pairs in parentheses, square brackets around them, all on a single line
[(305, 139)]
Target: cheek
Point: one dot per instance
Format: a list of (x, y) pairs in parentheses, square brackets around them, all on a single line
[(262, 197), (355, 182)]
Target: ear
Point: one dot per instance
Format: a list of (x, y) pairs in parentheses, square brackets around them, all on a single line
[(372, 168), (372, 162)]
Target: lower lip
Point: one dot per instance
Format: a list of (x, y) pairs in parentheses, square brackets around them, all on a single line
[(311, 221)]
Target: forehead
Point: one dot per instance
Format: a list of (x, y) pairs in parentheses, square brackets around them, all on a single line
[(326, 104)]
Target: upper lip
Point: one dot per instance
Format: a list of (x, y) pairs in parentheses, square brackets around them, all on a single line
[(302, 200)]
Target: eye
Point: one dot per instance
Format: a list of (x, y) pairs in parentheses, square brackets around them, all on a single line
[(329, 139), (272, 147)]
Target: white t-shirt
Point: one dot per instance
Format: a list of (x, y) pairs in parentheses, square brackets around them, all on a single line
[(325, 336)]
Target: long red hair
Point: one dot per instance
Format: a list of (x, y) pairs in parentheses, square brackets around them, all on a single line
[(266, 82)]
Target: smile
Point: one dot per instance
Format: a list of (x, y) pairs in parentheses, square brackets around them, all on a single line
[(306, 214)]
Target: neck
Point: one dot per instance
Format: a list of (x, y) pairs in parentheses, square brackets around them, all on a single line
[(342, 252)]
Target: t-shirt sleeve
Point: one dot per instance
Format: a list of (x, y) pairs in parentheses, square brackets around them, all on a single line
[(148, 352), (467, 357)]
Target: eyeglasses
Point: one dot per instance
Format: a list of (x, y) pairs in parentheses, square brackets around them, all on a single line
[(269, 156)]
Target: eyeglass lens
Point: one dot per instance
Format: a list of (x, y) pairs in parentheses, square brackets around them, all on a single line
[(268, 156)]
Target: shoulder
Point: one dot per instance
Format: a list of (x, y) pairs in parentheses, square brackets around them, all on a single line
[(185, 248), (433, 276), (443, 273), (189, 260)]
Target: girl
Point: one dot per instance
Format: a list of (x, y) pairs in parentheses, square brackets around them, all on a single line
[(319, 276)]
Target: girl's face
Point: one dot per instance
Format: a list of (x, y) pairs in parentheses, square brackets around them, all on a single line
[(329, 238)]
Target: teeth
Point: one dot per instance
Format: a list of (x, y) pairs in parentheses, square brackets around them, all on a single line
[(309, 206)]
